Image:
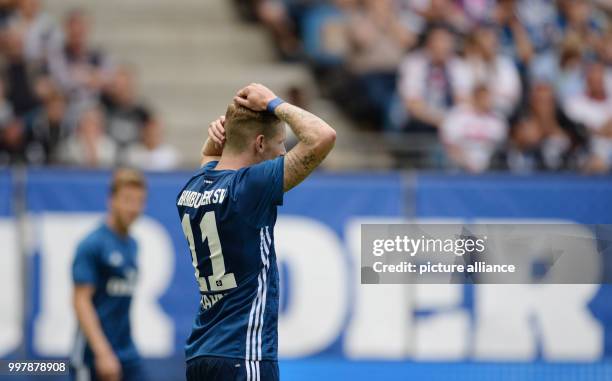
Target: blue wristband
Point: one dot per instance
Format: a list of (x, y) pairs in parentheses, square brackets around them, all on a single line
[(273, 104)]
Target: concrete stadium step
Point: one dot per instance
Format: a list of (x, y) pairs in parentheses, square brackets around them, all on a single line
[(191, 57), (228, 37), (219, 47), (160, 15), (127, 17), (177, 33), (143, 5), (211, 79), (176, 58), (142, 10)]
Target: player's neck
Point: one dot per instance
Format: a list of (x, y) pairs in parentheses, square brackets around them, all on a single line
[(116, 227), (234, 161)]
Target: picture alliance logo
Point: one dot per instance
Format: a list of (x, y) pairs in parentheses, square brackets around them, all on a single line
[(413, 246)]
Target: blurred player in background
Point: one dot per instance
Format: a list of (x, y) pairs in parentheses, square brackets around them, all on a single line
[(228, 213), (104, 274)]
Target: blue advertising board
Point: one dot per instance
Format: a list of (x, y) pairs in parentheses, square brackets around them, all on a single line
[(331, 327)]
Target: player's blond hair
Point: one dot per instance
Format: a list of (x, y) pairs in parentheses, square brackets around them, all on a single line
[(242, 125), (127, 177)]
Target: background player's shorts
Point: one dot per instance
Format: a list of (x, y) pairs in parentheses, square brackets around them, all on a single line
[(131, 371), (206, 368)]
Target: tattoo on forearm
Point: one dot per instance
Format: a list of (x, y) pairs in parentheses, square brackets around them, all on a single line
[(301, 122), (309, 161), (297, 168), (306, 156)]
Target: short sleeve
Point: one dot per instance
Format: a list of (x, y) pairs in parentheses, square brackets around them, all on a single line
[(572, 109), (84, 266), (461, 78), (450, 128), (260, 187), (412, 75)]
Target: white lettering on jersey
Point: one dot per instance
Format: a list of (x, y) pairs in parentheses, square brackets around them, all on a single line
[(208, 301), (207, 197), (119, 286), (196, 199)]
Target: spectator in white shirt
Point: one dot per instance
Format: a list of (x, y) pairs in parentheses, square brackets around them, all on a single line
[(35, 26), (432, 81), (81, 71), (593, 109), (499, 72), (90, 146), (153, 154), (472, 133)]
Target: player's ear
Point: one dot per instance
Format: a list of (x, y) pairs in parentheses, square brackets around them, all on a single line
[(259, 143)]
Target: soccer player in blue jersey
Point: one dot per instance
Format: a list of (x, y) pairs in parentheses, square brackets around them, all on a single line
[(104, 273), (228, 211)]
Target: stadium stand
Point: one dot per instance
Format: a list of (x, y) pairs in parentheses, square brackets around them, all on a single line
[(192, 58), (413, 63), (387, 74)]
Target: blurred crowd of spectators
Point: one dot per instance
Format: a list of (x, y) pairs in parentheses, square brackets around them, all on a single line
[(63, 101), (524, 85)]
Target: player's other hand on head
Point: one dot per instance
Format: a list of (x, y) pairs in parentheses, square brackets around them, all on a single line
[(255, 97), (216, 131), (108, 367)]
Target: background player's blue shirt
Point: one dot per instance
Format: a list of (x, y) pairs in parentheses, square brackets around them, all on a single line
[(107, 261), (232, 214)]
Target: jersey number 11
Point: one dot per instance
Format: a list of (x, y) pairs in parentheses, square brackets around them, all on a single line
[(219, 280)]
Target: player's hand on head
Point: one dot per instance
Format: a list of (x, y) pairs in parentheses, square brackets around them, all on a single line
[(216, 131), (254, 96), (108, 367)]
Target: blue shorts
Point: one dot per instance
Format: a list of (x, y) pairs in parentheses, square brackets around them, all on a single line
[(130, 371), (207, 368)]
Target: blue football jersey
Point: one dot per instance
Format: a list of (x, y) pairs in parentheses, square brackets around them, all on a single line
[(228, 218), (107, 261)]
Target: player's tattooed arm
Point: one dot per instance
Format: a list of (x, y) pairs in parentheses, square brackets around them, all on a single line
[(315, 140), (213, 147)]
